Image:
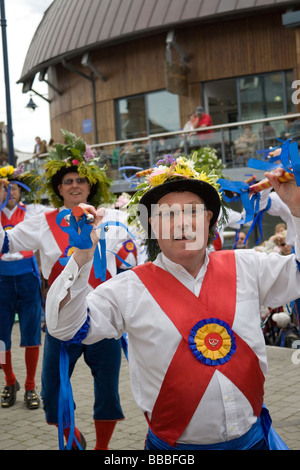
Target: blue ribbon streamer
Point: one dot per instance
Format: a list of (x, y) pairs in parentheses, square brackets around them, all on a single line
[(258, 221), (83, 240), (65, 402), (66, 416), (262, 165), (4, 204), (124, 343), (241, 189), (289, 157), (137, 168)]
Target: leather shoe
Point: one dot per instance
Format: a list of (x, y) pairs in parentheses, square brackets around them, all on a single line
[(31, 399), (9, 394)]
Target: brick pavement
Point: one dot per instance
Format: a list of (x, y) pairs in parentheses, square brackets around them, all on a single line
[(23, 429)]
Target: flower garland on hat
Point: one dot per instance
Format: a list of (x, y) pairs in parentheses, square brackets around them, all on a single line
[(167, 169), (75, 155), (27, 181)]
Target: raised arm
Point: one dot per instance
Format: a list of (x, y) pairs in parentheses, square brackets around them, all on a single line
[(288, 191)]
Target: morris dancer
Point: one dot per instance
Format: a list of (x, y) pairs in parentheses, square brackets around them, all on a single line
[(73, 176), (19, 287), (197, 355)]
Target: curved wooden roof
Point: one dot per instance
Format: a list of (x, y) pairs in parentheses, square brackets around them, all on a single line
[(72, 27)]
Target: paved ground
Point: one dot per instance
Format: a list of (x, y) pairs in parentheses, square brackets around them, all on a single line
[(23, 429)]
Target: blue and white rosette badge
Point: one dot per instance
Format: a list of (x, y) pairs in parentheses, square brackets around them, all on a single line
[(212, 342)]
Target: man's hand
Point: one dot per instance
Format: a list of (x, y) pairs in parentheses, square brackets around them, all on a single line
[(84, 256), (288, 192)]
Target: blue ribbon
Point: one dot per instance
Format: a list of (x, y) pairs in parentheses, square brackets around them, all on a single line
[(83, 240), (65, 402), (99, 261), (241, 190), (251, 205), (66, 417), (258, 221), (8, 194), (124, 343), (289, 157), (137, 168), (262, 165)]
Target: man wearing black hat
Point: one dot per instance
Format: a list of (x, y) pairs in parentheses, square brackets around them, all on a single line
[(197, 355), (202, 119), (72, 176)]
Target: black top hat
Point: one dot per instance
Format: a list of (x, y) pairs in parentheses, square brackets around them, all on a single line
[(204, 190)]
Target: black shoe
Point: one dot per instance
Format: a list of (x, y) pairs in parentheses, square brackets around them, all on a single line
[(82, 443), (31, 399), (9, 395)]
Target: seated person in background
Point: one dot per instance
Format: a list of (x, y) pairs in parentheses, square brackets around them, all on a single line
[(276, 241), (245, 145), (128, 148), (241, 241)]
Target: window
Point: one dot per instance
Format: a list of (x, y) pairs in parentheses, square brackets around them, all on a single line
[(251, 97), (142, 115)]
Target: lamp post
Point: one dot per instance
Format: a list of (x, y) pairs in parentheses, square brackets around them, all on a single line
[(7, 87)]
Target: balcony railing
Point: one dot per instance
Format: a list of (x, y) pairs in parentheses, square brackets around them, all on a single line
[(124, 157)]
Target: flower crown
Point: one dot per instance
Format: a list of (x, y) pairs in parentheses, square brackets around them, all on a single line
[(27, 180), (168, 169), (75, 153), (9, 173)]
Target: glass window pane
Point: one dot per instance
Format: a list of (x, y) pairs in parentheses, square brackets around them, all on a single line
[(274, 94), (163, 112), (251, 97), (291, 107), (220, 95), (132, 117)]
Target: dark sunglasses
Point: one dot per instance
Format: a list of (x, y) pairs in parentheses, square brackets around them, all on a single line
[(69, 181)]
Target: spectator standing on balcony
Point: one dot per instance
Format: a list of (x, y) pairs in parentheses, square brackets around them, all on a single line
[(40, 147), (202, 119)]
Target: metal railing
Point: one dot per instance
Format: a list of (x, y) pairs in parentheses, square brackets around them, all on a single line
[(124, 157)]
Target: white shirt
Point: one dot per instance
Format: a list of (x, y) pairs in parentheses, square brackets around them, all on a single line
[(31, 211), (124, 304), (280, 209), (34, 234)]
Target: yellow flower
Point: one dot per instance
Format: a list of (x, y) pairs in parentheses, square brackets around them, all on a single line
[(158, 177), (6, 171), (184, 171)]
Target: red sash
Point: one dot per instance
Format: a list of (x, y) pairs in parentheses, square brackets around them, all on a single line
[(16, 218), (62, 239), (187, 378), (217, 243), (127, 247)]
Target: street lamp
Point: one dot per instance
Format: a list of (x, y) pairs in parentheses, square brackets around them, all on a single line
[(7, 89), (31, 104)]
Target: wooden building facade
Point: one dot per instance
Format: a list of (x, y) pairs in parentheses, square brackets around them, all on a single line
[(227, 43)]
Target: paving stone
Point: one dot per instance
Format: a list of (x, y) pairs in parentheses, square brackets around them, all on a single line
[(23, 429)]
